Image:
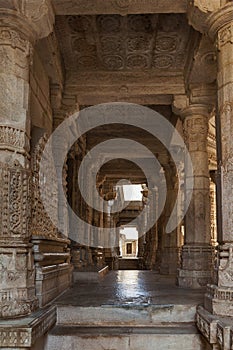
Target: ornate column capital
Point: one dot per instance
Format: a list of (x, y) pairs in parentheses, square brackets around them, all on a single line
[(199, 11), (183, 107), (33, 18), (221, 22), (196, 109)]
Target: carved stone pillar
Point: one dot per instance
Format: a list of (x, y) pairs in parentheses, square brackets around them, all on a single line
[(171, 242), (197, 252), (218, 298), (20, 26)]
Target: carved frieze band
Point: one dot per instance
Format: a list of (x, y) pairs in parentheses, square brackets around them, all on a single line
[(118, 6), (21, 336), (14, 139)]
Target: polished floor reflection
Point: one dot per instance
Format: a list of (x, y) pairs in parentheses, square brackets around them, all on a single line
[(130, 287)]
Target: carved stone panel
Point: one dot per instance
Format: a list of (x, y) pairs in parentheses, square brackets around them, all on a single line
[(41, 224), (15, 202)]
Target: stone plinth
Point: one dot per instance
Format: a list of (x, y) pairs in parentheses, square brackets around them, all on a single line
[(197, 263), (53, 268), (25, 332)]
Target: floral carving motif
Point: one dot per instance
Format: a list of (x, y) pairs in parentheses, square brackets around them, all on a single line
[(117, 42), (15, 209), (140, 23), (139, 43), (41, 224), (137, 61), (122, 4), (225, 35), (113, 62), (111, 44), (79, 23), (13, 138), (203, 326), (14, 39), (88, 62), (163, 61), (166, 43), (225, 276), (196, 132), (81, 45), (109, 24), (219, 335)]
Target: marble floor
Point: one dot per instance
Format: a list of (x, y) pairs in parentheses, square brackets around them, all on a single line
[(129, 287)]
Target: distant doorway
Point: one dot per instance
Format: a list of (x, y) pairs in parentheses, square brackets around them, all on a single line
[(129, 242), (129, 248)]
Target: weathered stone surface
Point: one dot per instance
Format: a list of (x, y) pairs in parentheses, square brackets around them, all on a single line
[(125, 338), (26, 331), (123, 7)]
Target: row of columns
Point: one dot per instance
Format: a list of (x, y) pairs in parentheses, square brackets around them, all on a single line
[(197, 252), (218, 297), (18, 34)]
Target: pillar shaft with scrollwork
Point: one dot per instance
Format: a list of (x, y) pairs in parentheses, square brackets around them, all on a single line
[(20, 27), (218, 298), (197, 252)]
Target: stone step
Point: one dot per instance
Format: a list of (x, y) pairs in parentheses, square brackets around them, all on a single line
[(88, 275), (125, 315), (125, 338), (128, 264)]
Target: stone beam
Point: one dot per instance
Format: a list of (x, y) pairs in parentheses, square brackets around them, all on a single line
[(140, 88), (89, 100), (123, 7)]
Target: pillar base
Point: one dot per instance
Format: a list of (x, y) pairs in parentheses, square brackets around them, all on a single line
[(170, 261), (196, 266), (193, 279), (27, 331), (17, 273), (219, 300)]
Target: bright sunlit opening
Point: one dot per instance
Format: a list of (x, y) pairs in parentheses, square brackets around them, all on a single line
[(132, 192)]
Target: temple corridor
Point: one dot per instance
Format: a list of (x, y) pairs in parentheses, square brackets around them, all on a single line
[(116, 174)]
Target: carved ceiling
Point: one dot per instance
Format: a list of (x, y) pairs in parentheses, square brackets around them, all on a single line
[(143, 58), (117, 43)]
